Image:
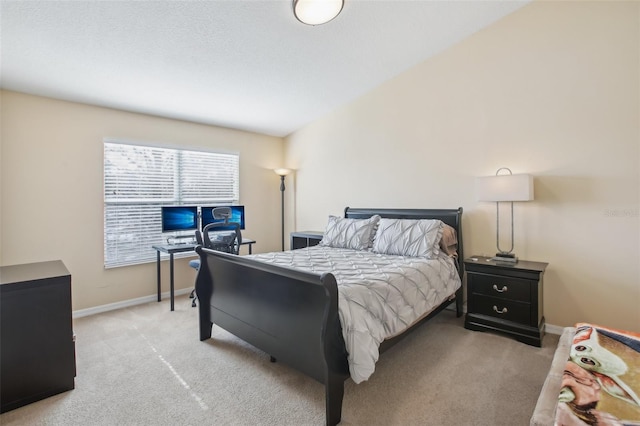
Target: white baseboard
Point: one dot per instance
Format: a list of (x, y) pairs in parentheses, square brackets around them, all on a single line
[(126, 303), (553, 329)]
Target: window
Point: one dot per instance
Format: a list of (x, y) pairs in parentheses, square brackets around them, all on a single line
[(139, 179)]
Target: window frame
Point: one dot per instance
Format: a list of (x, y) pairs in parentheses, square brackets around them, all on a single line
[(132, 217)]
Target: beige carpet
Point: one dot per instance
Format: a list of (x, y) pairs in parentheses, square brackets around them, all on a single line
[(145, 366)]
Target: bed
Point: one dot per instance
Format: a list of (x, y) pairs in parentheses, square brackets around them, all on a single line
[(294, 314)]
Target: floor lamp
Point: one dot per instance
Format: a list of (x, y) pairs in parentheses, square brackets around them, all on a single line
[(504, 187), (282, 173)]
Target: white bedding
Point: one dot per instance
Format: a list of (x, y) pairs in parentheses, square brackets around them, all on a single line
[(379, 296)]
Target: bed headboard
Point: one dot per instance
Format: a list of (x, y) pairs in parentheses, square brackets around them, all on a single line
[(452, 217)]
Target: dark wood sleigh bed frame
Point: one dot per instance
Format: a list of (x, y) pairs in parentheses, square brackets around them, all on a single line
[(293, 315)]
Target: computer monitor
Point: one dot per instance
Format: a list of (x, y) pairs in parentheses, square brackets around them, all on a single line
[(179, 218), (237, 215)]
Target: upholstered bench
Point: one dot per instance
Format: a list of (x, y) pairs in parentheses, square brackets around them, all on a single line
[(545, 411), (602, 378)]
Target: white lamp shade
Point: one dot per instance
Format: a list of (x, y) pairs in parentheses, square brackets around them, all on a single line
[(282, 172), (316, 12), (505, 188)]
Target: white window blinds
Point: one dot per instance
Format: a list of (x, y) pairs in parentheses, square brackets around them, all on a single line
[(139, 179)]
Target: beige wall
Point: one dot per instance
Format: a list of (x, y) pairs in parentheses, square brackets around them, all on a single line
[(52, 183), (552, 90)]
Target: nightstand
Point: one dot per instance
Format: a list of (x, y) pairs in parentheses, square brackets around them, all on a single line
[(506, 298), (302, 239)]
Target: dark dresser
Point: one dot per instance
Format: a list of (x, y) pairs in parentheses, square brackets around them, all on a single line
[(506, 297), (37, 348)]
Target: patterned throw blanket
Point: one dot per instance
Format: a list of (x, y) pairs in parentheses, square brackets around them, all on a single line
[(601, 380)]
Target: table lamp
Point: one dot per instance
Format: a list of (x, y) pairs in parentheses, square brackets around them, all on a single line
[(505, 187)]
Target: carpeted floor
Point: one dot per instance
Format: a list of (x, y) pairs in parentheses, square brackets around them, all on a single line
[(145, 366)]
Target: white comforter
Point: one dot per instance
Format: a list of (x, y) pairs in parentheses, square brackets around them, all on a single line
[(379, 296)]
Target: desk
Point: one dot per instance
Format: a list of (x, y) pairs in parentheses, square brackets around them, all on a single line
[(172, 249)]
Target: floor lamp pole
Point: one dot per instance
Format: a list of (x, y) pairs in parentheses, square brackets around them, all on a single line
[(282, 173), (282, 207)]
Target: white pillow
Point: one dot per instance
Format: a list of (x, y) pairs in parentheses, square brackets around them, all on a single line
[(408, 237), (356, 234)]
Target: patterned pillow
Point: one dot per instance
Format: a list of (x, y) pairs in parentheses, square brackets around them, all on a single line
[(408, 237), (449, 241), (354, 234)]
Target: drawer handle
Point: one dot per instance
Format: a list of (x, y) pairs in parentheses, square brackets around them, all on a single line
[(501, 311), (500, 290)]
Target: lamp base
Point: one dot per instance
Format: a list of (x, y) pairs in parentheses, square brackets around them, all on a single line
[(505, 257)]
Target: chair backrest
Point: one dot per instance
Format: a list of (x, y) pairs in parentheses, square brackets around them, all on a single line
[(221, 213), (222, 236)]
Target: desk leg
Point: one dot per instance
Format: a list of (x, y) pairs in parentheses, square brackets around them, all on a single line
[(250, 245), (171, 272), (158, 272)]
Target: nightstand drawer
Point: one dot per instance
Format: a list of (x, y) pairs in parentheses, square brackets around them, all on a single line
[(500, 286), (503, 309)]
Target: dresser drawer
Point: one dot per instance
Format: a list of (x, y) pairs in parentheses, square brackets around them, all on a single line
[(500, 286), (504, 309)]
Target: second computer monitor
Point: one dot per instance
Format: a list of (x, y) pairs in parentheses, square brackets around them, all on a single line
[(237, 215)]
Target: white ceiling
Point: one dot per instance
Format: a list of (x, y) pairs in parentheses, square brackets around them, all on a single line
[(241, 64)]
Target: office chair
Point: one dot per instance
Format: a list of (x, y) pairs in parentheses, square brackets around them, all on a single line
[(222, 236)]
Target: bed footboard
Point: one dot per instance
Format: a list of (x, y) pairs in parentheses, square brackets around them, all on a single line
[(289, 314)]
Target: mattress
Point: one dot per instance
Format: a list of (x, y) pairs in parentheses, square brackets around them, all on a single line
[(379, 295)]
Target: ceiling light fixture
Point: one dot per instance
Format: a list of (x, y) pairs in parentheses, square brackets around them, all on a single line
[(316, 12)]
